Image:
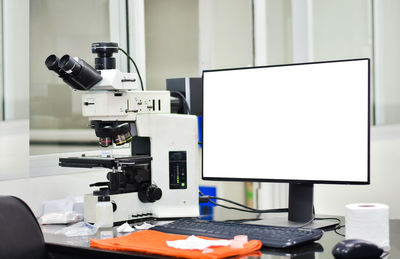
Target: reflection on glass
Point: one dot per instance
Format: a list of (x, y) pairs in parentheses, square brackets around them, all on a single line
[(61, 27)]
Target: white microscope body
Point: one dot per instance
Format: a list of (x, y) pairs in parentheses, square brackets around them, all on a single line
[(169, 134), (160, 179)]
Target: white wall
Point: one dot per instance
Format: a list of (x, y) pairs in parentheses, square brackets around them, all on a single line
[(14, 149), (385, 178), (225, 34), (35, 190)]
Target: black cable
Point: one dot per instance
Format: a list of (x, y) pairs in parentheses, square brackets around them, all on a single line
[(183, 99), (127, 31), (227, 207), (332, 218), (247, 209), (305, 224), (250, 211), (233, 202), (337, 228), (137, 70)]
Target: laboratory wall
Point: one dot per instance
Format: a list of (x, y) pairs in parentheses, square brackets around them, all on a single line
[(35, 190), (384, 173)]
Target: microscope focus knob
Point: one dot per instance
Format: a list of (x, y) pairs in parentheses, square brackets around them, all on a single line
[(150, 194)]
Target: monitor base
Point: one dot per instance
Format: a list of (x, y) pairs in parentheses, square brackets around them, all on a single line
[(281, 219)]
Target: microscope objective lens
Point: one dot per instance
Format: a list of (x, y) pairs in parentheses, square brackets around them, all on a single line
[(105, 142), (123, 138)]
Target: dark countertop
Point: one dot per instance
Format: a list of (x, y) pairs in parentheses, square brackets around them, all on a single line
[(80, 246)]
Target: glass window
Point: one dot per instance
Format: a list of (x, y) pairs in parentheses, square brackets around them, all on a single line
[(1, 61), (14, 89), (184, 37), (387, 61), (62, 27)]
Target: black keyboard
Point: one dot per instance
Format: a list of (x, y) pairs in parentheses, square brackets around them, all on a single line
[(270, 236)]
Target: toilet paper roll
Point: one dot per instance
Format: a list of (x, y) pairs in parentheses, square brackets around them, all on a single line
[(368, 221)]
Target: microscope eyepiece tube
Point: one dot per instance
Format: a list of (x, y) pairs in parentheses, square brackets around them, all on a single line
[(51, 63), (69, 65), (80, 72)]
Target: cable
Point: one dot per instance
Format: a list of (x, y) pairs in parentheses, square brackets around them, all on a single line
[(183, 98), (233, 202), (308, 222), (137, 70), (226, 200), (247, 209), (206, 198), (337, 228), (250, 211), (332, 218)]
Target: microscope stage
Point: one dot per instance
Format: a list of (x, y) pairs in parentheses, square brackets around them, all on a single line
[(104, 162)]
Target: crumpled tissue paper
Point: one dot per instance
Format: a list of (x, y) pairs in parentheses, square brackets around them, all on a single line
[(196, 243), (125, 228)]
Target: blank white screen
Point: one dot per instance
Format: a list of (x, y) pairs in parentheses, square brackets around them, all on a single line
[(296, 122)]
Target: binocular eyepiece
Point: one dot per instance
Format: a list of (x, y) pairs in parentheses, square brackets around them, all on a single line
[(77, 73), (74, 72)]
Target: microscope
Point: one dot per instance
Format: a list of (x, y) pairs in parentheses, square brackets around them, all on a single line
[(159, 179)]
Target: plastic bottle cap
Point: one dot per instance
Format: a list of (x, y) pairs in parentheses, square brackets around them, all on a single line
[(103, 198)]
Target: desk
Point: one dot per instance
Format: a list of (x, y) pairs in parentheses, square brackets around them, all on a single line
[(80, 247)]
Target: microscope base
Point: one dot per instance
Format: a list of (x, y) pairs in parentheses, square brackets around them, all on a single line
[(130, 208)]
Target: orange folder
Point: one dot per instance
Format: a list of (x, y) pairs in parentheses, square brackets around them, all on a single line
[(154, 242)]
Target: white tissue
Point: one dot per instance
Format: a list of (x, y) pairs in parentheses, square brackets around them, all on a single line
[(60, 218), (125, 228), (368, 221), (65, 211), (79, 229), (195, 243)]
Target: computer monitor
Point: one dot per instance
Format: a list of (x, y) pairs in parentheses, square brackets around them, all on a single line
[(301, 124)]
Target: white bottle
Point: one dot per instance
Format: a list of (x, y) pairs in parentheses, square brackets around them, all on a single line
[(104, 212)]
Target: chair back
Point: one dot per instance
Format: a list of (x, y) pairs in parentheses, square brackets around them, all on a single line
[(20, 233)]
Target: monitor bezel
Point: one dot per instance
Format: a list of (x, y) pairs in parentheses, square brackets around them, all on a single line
[(294, 180)]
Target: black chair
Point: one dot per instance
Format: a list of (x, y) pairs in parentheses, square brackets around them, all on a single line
[(21, 237), (20, 233)]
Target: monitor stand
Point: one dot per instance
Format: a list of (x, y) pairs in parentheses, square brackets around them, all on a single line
[(300, 210)]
